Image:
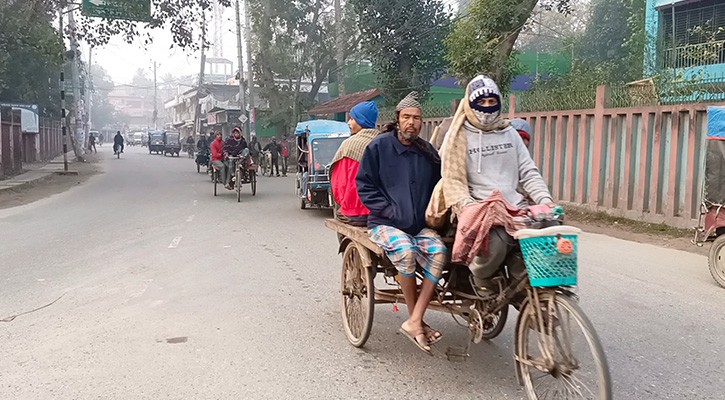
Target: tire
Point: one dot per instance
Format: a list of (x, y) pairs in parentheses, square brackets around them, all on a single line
[(238, 184), (357, 297), (253, 181), (214, 179), (303, 204), (564, 364), (716, 260), (494, 324), (198, 168)]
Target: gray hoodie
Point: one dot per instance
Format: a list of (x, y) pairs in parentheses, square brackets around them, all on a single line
[(500, 160)]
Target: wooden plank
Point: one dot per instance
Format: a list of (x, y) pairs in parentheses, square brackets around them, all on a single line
[(690, 171), (355, 233)]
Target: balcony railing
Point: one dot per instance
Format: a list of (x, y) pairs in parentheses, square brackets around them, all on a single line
[(694, 55)]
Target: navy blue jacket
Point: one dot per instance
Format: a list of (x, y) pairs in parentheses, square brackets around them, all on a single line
[(395, 182)]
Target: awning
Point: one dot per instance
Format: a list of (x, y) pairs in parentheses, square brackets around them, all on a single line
[(343, 103)]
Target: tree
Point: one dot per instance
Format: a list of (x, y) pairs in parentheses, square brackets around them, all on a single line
[(294, 42), (183, 18), (30, 56), (482, 39), (404, 41), (103, 113)]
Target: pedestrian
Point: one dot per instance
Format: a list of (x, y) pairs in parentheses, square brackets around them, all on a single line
[(100, 140), (346, 162), (275, 150), (285, 156), (395, 180), (255, 149), (92, 143)]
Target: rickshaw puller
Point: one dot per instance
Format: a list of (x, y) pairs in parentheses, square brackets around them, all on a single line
[(396, 177), (233, 147), (485, 164)]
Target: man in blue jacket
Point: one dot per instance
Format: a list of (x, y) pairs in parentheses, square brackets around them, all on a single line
[(395, 180)]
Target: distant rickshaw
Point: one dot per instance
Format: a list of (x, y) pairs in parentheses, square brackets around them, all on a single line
[(172, 143), (317, 143), (156, 142)]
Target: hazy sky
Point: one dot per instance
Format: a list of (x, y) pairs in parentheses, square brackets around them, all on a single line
[(121, 60)]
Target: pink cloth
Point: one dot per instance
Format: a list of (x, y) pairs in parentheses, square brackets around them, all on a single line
[(475, 221)]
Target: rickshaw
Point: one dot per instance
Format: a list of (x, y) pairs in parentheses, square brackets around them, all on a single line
[(172, 143), (317, 143), (156, 142), (244, 172), (711, 224), (557, 353)]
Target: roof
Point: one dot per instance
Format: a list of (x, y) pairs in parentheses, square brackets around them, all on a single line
[(322, 126), (343, 103)]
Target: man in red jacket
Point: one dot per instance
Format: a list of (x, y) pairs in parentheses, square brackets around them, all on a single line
[(217, 157), (347, 159)]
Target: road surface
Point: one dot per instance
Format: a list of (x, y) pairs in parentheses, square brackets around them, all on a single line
[(171, 293)]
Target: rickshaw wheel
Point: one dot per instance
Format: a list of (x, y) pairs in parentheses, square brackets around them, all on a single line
[(303, 204), (214, 179), (253, 181), (357, 297), (716, 260), (198, 168)]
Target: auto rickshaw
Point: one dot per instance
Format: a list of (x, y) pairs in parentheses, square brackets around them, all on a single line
[(317, 142), (156, 142), (711, 225), (172, 143)]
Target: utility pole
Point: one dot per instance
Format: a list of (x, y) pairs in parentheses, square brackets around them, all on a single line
[(64, 121), (77, 120), (156, 100), (340, 51), (197, 112), (89, 94), (250, 74), (240, 62)]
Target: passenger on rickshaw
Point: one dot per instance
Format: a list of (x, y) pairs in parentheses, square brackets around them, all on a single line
[(217, 156), (344, 166), (485, 165), (233, 147), (395, 179)]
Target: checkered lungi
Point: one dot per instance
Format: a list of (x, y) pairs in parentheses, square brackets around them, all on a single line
[(404, 250)]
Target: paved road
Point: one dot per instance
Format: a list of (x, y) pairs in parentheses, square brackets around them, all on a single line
[(144, 253)]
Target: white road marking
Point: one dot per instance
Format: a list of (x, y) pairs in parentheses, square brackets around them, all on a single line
[(175, 242), (195, 201), (191, 218)]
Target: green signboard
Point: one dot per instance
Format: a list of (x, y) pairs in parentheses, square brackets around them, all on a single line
[(133, 10)]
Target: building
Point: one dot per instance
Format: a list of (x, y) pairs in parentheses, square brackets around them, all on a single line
[(137, 110), (686, 35)]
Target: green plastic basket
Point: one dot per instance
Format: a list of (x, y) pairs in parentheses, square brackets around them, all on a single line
[(546, 265)]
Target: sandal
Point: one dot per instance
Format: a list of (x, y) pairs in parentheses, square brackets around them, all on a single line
[(433, 335), (414, 338)]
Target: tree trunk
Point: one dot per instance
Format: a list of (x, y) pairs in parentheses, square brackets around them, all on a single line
[(506, 45)]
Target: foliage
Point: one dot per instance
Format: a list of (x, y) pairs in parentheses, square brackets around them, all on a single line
[(483, 38), (103, 113), (30, 56), (182, 18), (404, 41), (294, 41)]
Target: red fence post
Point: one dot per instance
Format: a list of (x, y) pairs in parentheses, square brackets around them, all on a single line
[(512, 106), (597, 146)]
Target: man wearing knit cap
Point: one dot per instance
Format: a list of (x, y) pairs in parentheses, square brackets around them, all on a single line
[(347, 160), (397, 174)]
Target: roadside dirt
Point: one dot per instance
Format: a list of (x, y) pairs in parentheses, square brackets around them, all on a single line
[(635, 231), (53, 185)]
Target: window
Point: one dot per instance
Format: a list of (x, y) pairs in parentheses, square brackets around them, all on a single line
[(689, 34)]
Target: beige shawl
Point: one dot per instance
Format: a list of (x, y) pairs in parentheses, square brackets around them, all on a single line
[(354, 146), (451, 192)]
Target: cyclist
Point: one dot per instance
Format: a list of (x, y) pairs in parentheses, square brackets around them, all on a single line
[(118, 142)]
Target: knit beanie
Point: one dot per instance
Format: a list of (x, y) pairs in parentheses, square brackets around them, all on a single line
[(365, 114)]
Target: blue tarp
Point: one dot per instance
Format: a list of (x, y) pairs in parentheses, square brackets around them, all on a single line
[(322, 126), (716, 122)]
